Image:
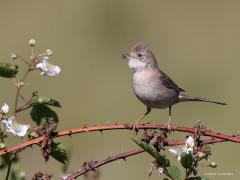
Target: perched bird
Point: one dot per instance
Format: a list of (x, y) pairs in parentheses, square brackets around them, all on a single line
[(152, 86)]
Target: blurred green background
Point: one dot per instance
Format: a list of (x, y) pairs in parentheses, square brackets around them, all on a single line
[(197, 43)]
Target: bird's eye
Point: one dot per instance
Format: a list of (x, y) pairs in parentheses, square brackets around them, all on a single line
[(140, 55)]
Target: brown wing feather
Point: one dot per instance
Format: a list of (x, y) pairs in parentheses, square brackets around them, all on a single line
[(169, 83)]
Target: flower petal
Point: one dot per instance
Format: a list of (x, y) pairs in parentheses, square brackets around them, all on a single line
[(173, 151), (47, 68), (190, 142), (14, 127)]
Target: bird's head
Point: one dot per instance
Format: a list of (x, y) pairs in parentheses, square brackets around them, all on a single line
[(140, 57)]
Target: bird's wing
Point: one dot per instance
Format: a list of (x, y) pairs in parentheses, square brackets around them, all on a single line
[(169, 83)]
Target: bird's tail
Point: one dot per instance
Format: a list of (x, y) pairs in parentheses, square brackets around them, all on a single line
[(184, 97)]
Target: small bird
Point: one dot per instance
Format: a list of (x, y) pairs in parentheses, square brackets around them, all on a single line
[(152, 86)]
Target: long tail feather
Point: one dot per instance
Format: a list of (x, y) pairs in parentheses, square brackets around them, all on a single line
[(185, 97)]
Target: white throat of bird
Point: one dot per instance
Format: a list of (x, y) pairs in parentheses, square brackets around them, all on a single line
[(135, 64)]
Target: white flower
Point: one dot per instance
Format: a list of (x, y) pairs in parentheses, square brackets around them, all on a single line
[(14, 127), (186, 148), (5, 108), (160, 170), (190, 143), (47, 68), (178, 151)]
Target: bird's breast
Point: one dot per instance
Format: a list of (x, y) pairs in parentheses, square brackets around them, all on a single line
[(149, 89)]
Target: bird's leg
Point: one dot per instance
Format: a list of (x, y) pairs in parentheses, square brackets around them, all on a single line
[(135, 125), (169, 124)]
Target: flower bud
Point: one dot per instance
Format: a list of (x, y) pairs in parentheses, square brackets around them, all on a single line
[(32, 42), (49, 52), (2, 146), (160, 170), (213, 164), (5, 108), (13, 56)]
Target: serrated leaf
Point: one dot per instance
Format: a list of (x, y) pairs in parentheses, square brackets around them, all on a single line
[(59, 152), (186, 160), (46, 101), (161, 159), (8, 70), (174, 172), (41, 113)]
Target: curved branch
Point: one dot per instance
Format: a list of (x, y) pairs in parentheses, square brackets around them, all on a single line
[(101, 128), (92, 165)]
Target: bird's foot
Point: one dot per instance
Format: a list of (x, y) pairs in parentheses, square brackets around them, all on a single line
[(169, 126), (135, 127)]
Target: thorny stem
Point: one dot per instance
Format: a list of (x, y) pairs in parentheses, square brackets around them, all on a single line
[(100, 128), (92, 165)]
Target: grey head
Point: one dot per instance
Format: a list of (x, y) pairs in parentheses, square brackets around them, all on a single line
[(140, 58)]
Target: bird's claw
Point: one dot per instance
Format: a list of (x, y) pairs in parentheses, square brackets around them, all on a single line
[(169, 126), (135, 127)]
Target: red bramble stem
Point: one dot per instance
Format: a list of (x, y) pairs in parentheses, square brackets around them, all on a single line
[(92, 165), (38, 140)]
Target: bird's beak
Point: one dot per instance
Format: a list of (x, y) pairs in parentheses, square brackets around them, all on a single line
[(125, 56)]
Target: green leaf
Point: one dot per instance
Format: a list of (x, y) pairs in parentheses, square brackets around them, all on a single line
[(8, 70), (59, 152), (161, 159), (173, 172), (186, 160), (41, 113), (46, 101)]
